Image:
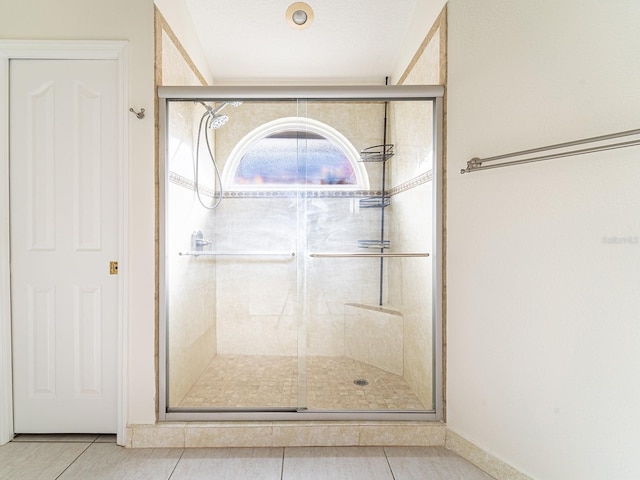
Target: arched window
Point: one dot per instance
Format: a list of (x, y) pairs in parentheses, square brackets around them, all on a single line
[(291, 152)]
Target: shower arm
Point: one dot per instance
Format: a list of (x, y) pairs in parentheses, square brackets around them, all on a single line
[(215, 111)]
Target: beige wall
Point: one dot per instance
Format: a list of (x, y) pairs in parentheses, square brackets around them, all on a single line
[(411, 226), (132, 21), (543, 307), (177, 12), (257, 300), (191, 294)]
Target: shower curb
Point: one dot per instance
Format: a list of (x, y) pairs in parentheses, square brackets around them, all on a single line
[(285, 434)]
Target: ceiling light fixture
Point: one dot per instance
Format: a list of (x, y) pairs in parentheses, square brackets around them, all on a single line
[(299, 15)]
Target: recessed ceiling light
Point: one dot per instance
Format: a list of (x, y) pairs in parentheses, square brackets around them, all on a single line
[(299, 15)]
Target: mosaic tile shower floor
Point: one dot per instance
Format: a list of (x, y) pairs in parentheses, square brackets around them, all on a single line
[(272, 381)]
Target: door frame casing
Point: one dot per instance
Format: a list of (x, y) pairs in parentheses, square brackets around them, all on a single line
[(62, 50)]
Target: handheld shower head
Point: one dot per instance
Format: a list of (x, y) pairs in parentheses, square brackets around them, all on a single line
[(215, 120)]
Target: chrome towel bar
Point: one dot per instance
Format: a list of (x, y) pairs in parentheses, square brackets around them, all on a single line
[(476, 164)]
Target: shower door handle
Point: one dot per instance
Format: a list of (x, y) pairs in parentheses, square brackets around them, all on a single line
[(369, 255), (209, 253)]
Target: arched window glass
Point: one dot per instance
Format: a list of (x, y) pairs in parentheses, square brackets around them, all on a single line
[(291, 152)]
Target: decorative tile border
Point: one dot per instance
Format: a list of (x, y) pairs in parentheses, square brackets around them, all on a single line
[(188, 184), (413, 183), (306, 194), (403, 187)]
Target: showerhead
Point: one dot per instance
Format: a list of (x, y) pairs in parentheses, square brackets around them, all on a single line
[(216, 121)]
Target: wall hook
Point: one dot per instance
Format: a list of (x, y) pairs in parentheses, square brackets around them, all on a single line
[(139, 114)]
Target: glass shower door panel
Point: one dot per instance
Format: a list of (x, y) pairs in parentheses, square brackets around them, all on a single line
[(231, 269), (368, 273), (308, 286), (256, 297), (190, 280)]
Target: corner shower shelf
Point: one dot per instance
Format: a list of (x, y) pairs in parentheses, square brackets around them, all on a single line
[(377, 153), (375, 202)]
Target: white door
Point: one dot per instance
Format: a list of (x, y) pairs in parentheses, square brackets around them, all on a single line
[(64, 233)]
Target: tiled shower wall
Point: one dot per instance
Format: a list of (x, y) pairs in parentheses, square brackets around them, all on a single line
[(256, 295), (257, 298), (411, 222), (190, 281)]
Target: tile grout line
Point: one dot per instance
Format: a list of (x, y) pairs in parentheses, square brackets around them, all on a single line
[(384, 450), (176, 465), (282, 465), (75, 460)]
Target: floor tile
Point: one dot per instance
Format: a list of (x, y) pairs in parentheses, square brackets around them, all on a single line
[(37, 461), (106, 439), (108, 461), (230, 463), (56, 437), (434, 463), (353, 463), (272, 381)]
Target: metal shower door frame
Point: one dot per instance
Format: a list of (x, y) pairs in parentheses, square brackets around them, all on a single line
[(433, 93)]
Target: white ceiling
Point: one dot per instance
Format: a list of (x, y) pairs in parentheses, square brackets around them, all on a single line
[(355, 40)]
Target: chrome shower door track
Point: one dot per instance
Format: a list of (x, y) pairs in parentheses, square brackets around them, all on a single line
[(302, 415)]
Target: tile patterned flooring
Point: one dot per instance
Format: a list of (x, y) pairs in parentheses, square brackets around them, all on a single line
[(272, 381), (99, 458)]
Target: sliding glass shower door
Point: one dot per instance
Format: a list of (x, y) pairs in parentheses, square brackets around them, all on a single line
[(368, 264), (298, 266), (232, 303)]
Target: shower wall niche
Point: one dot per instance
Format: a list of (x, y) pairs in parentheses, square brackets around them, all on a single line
[(303, 280)]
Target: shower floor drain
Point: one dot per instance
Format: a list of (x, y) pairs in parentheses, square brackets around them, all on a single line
[(361, 382)]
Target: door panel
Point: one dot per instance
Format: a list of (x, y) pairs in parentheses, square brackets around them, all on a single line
[(64, 233), (368, 322), (232, 304)]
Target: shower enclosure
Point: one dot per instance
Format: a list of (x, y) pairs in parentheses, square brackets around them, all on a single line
[(300, 253)]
